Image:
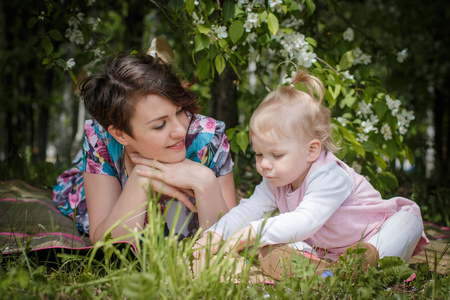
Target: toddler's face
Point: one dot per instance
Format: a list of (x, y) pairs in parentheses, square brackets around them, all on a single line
[(281, 160)]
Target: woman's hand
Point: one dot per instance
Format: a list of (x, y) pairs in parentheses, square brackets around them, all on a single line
[(182, 174), (209, 241), (213, 195), (238, 240), (147, 179)]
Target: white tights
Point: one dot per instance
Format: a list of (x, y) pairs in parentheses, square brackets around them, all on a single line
[(398, 236)]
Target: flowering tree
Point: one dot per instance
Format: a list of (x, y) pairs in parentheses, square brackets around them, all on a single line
[(369, 123), (254, 38)]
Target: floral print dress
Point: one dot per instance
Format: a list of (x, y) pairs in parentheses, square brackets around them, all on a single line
[(205, 142)]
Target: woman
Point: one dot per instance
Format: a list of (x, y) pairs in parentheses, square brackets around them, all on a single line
[(145, 130)]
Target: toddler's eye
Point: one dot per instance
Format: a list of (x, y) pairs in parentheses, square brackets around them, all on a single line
[(277, 155), (258, 154)]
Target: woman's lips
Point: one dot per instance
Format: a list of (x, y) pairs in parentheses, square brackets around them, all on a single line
[(177, 146)]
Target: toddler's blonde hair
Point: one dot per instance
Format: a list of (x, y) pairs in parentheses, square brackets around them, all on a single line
[(289, 111)]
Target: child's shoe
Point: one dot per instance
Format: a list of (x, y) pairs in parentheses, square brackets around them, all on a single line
[(276, 261), (369, 257)]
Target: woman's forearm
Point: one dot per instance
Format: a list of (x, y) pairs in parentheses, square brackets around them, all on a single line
[(210, 202)]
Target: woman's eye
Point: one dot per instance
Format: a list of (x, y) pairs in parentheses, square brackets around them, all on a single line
[(180, 111), (160, 126)]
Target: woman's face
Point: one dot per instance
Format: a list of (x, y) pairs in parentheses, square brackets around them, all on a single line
[(159, 129)]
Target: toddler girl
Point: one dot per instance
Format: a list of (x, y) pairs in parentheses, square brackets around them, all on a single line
[(325, 206)]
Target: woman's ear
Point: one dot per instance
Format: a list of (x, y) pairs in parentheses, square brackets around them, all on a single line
[(315, 147), (119, 135)]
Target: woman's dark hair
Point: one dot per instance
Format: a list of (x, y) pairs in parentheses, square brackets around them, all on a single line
[(110, 96)]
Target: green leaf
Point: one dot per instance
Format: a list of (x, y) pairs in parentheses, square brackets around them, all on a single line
[(369, 146), (358, 149), (262, 16), (201, 42), (230, 133), (395, 270), (203, 29), (310, 7), (55, 34), (190, 5), (228, 10), (273, 23), (46, 60), (337, 89), (220, 64), (381, 163), (176, 4), (380, 108), (47, 45), (242, 140), (31, 22), (409, 155), (346, 60), (311, 41), (203, 69), (331, 101), (32, 41), (236, 31)]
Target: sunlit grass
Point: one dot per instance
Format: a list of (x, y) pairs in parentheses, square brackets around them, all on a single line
[(161, 268)]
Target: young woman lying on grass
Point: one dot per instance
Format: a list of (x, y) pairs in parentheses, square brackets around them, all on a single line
[(145, 117)]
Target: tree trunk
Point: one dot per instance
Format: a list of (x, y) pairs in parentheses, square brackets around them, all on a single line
[(224, 98)]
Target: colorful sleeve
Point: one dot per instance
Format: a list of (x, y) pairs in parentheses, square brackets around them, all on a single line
[(208, 144), (96, 158)]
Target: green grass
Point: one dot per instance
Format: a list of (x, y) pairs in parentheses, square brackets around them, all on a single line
[(162, 270)]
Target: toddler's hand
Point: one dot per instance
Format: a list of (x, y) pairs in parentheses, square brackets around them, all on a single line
[(209, 241), (238, 240)]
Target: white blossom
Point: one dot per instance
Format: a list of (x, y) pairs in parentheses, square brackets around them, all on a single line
[(368, 127), (361, 57), (221, 32), (402, 55), (93, 22), (393, 105), (292, 22), (75, 21), (248, 26), (402, 130), (70, 63), (242, 3), (196, 20), (374, 119), (196, 2), (251, 38), (253, 18), (75, 36), (349, 35), (347, 75), (273, 3), (342, 120), (364, 108), (362, 137), (386, 132), (357, 167)]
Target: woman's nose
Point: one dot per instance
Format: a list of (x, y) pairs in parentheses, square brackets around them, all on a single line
[(178, 130)]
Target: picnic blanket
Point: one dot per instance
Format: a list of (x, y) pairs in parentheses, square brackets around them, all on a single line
[(29, 221)]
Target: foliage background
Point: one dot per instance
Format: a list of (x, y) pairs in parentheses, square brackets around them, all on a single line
[(41, 118)]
